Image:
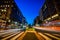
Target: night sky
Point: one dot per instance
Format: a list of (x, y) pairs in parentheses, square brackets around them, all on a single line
[(29, 8)]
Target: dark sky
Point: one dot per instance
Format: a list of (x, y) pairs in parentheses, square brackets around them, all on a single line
[(30, 8)]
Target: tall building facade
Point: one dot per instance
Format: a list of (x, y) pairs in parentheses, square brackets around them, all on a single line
[(5, 9), (9, 12), (36, 20), (50, 10)]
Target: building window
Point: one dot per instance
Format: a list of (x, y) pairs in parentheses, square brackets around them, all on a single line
[(45, 6), (2, 10), (5, 8), (11, 5), (6, 5), (1, 5)]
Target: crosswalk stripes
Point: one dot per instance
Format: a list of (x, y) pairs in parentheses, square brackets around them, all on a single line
[(10, 36), (52, 36)]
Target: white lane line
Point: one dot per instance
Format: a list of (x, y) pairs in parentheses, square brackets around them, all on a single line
[(52, 36), (17, 36), (21, 38), (38, 36), (10, 36), (47, 38)]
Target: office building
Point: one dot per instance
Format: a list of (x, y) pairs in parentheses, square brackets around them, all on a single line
[(50, 10)]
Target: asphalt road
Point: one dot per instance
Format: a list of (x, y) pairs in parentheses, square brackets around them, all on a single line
[(30, 36), (44, 35)]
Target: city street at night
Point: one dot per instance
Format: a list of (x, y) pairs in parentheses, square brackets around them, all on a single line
[(29, 35), (29, 19)]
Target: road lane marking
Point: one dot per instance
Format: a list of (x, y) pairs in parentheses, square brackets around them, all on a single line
[(17, 36), (52, 36), (10, 36), (47, 38), (20, 38), (38, 36)]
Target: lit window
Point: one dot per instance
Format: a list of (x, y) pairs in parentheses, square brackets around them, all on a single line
[(45, 6), (6, 5), (2, 10)]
